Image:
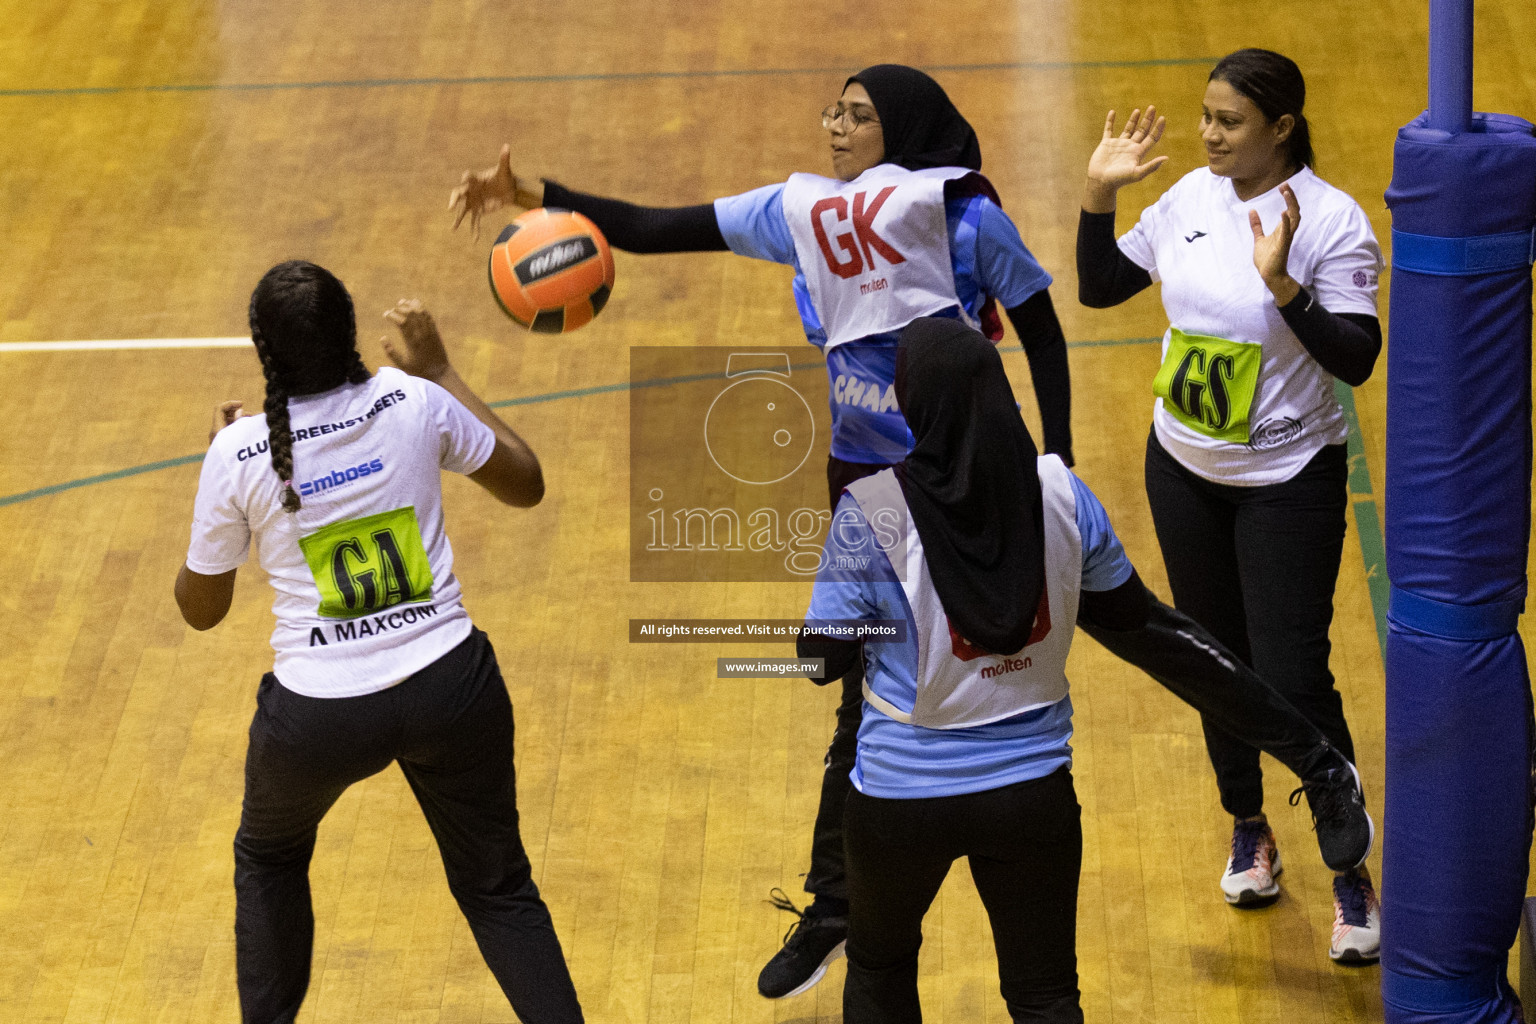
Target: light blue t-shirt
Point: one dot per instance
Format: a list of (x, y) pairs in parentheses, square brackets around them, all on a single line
[(988, 258), (899, 761)]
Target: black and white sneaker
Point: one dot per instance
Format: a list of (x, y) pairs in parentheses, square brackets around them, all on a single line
[(1345, 831), (815, 940)]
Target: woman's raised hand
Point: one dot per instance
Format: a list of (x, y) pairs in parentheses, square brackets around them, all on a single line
[(1120, 160), (1272, 252), (224, 414), (420, 351), (480, 192)]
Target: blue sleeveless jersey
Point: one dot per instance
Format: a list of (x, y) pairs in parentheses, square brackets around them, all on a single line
[(988, 258)]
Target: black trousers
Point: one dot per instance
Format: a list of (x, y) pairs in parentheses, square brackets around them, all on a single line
[(1024, 843), (450, 727), (828, 876), (1257, 566)]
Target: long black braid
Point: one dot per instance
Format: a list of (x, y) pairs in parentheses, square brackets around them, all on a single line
[(305, 331)]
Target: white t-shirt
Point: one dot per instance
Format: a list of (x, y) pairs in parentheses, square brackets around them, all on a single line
[(366, 594), (1197, 241)]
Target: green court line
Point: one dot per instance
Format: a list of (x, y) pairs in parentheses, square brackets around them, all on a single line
[(1362, 496), (102, 478), (611, 76), (552, 396), (1373, 548), (1114, 341)]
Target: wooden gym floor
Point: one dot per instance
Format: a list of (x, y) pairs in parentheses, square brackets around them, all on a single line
[(160, 157)]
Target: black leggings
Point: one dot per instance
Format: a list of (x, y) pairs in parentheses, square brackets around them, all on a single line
[(827, 877), (450, 727), (1257, 567), (1025, 847)]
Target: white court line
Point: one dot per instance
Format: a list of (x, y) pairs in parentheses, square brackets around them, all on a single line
[(123, 343)]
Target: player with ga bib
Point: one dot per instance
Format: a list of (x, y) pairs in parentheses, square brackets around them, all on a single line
[(339, 488), (1269, 282)]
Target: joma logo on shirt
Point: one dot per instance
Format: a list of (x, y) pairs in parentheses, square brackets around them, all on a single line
[(861, 243)]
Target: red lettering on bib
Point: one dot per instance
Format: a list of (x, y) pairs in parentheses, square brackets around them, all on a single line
[(853, 267), (864, 228), (862, 238)]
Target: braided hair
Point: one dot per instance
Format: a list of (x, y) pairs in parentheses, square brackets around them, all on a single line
[(305, 332)]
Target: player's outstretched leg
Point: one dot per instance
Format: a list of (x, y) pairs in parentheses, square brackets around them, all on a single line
[(1192, 664)]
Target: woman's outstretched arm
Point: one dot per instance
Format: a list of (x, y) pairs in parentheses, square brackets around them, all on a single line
[(627, 226)]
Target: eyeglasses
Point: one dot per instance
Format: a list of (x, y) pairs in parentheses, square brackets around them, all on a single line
[(853, 118)]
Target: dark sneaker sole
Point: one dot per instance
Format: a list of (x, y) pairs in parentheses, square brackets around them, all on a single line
[(1354, 958), (1253, 899), (816, 975), (1250, 899)]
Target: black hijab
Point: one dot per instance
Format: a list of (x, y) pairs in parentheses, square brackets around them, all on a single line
[(922, 128), (971, 483)]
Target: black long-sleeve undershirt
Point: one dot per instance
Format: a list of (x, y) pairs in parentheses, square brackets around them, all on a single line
[(643, 229), (1123, 609), (1119, 610), (1045, 346), (1344, 344), (839, 655), (1105, 275)]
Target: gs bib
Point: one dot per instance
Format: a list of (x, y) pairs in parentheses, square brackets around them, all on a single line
[(1208, 384)]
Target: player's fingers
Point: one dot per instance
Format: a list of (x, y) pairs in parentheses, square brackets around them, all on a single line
[(1109, 125), (1256, 224), (1291, 205), (1130, 123)]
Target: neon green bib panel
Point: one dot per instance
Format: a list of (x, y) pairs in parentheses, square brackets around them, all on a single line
[(1208, 383), (366, 565)]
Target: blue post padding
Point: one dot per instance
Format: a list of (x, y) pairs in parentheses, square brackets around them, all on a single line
[(1458, 409), (1413, 613), (1456, 825), (1457, 822), (1463, 257), (1439, 996)]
